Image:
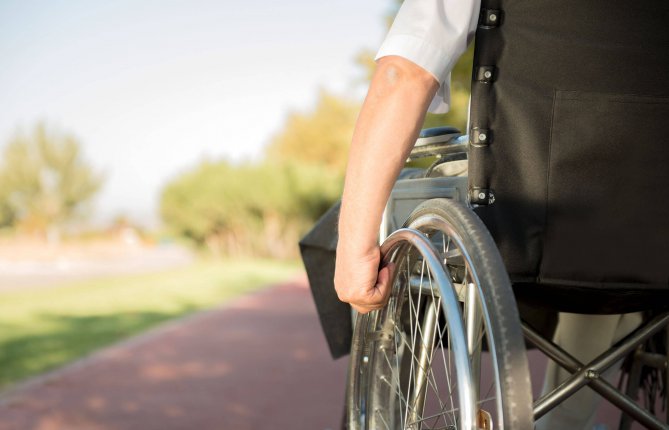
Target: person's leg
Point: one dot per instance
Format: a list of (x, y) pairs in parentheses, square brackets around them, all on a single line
[(585, 337)]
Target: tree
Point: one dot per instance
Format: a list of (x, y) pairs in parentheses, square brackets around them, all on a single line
[(319, 137), (46, 182), (263, 209), (6, 212), (248, 209)]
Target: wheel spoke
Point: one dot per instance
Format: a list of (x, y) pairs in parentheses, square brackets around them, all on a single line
[(408, 384), (397, 381), (448, 411)]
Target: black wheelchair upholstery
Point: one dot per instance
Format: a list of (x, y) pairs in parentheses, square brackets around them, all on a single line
[(568, 158)]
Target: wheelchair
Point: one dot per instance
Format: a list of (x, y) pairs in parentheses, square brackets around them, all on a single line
[(562, 207), (448, 347)]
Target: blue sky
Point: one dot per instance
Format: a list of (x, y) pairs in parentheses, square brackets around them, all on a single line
[(152, 87)]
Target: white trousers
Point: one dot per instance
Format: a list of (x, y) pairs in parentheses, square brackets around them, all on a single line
[(584, 337)]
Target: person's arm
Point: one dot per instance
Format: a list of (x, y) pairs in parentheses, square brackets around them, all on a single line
[(386, 130)]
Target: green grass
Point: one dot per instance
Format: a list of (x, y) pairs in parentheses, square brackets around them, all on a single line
[(41, 329)]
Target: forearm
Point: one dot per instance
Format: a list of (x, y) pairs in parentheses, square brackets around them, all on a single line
[(387, 128)]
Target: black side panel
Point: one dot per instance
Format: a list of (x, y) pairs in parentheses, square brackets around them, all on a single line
[(318, 249), (574, 109)]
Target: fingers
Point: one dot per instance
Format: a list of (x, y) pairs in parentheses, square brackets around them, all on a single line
[(374, 300), (375, 297), (360, 282)]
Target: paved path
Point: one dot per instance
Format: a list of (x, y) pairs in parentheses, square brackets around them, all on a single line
[(259, 363)]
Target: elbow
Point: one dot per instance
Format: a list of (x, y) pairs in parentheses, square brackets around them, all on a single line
[(398, 72)]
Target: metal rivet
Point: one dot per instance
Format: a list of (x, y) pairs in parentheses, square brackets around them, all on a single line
[(487, 74), (481, 196), (482, 136), (492, 17), (591, 374)]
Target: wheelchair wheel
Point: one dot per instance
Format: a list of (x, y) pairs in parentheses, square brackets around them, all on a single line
[(447, 351)]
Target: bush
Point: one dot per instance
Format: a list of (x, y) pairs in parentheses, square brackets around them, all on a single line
[(248, 209)]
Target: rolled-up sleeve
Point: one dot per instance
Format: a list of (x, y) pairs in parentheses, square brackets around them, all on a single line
[(433, 34)]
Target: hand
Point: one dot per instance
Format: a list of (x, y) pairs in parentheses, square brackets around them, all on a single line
[(359, 282)]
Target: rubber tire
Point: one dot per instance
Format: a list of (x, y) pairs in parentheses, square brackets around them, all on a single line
[(501, 316)]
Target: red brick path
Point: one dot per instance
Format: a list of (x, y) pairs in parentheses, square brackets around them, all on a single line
[(259, 363)]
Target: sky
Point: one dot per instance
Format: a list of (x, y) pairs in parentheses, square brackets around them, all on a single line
[(150, 88)]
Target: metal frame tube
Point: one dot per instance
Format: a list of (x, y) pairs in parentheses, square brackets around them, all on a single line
[(473, 325), (627, 405), (589, 374), (559, 394)]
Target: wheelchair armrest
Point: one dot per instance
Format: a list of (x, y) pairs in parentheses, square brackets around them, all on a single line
[(439, 141), (437, 131)]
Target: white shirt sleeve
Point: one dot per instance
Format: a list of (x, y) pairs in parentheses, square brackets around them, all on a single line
[(433, 34)]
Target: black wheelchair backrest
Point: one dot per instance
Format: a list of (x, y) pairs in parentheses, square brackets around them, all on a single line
[(568, 136)]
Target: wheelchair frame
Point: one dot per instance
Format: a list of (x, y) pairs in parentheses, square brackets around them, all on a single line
[(447, 145)]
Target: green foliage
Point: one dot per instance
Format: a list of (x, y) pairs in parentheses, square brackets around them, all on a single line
[(45, 182), (248, 209), (318, 137), (263, 209), (7, 216)]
